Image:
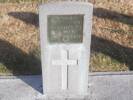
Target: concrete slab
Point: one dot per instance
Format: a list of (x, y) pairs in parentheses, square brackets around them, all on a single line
[(111, 86), (103, 86), (20, 88)]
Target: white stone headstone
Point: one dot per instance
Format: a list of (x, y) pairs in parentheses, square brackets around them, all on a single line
[(65, 30)]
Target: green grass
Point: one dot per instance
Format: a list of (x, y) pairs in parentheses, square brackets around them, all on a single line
[(104, 63), (3, 69)]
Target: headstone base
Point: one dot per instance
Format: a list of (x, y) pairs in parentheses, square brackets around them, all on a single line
[(74, 97)]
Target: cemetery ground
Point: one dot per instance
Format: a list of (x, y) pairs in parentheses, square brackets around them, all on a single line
[(111, 50), (112, 37)]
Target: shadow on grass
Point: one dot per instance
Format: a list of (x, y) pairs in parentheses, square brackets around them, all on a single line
[(114, 50), (110, 48), (18, 62), (112, 15), (27, 17)]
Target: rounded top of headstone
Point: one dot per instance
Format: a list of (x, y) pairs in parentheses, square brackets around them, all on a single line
[(74, 3), (67, 0)]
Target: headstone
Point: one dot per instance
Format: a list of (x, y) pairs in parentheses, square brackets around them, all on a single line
[(65, 46)]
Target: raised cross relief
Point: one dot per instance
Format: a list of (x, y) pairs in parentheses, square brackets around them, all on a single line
[(65, 62)]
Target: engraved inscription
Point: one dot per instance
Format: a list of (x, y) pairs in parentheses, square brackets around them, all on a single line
[(65, 28)]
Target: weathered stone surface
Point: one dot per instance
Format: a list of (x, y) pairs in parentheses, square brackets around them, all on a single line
[(20, 88), (65, 31), (111, 86), (102, 86)]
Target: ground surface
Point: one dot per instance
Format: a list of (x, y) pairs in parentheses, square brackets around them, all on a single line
[(112, 37), (22, 88), (102, 87), (111, 86), (19, 39)]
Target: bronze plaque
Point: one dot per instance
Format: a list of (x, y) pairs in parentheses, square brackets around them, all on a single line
[(65, 28)]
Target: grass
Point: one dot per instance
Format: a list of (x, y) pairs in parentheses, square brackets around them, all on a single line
[(112, 46), (103, 63), (19, 63), (20, 1), (19, 39), (3, 69)]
